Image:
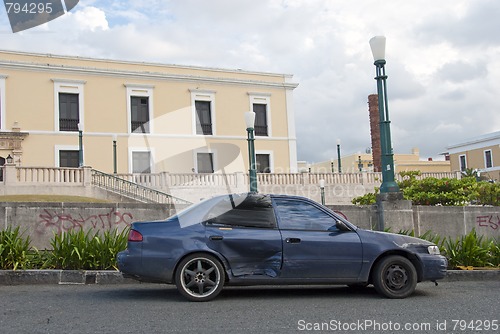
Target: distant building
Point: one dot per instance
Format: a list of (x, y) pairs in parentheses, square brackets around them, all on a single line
[(363, 162), (163, 118), (481, 153)]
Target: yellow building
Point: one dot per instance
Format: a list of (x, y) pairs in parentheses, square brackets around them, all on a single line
[(481, 153), (364, 162), (162, 118)]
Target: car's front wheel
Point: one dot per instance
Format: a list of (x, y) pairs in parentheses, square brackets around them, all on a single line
[(395, 277), (199, 277)]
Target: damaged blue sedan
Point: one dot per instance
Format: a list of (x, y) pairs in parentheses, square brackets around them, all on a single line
[(256, 239)]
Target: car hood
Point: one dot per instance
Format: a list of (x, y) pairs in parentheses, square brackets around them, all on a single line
[(400, 240)]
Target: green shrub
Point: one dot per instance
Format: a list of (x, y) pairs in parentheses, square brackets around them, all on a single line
[(468, 250), (408, 178), (366, 199), (111, 243), (445, 191), (39, 259), (494, 253), (14, 249), (488, 193), (79, 250)]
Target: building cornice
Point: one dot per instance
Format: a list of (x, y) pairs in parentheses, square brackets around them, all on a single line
[(155, 75), (130, 62), (13, 134)]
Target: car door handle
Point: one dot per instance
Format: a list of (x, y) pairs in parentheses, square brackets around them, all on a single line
[(216, 237), (292, 240)]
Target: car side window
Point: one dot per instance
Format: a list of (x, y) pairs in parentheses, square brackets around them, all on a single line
[(301, 215)]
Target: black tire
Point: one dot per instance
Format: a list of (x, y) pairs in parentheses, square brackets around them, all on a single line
[(395, 277), (200, 277)]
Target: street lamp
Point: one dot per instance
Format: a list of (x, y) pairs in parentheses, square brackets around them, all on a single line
[(250, 123), (80, 145), (377, 45), (338, 156), (114, 154), (322, 188), (9, 159)]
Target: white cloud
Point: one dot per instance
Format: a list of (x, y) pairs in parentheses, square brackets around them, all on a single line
[(91, 18)]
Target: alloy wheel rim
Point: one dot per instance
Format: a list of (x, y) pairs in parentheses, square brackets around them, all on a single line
[(200, 277)]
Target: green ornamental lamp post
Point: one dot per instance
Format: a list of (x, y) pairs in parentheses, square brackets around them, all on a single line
[(114, 154), (322, 188), (338, 156), (80, 145), (377, 45), (250, 123)]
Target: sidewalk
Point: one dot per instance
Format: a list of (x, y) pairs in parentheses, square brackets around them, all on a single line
[(21, 277)]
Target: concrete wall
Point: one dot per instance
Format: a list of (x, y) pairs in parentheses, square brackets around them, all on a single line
[(458, 220), (445, 221), (42, 220)]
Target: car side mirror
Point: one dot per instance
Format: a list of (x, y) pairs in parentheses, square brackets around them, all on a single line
[(341, 226)]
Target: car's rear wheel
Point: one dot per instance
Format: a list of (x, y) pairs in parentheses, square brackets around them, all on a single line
[(199, 277), (395, 277)]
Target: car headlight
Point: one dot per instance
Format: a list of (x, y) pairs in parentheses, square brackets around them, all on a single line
[(434, 250)]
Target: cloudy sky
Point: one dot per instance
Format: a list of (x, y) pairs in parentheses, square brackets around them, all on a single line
[(443, 58)]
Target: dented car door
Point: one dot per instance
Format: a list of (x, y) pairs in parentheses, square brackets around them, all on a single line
[(245, 233)]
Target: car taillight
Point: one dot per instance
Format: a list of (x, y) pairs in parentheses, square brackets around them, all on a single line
[(134, 236)]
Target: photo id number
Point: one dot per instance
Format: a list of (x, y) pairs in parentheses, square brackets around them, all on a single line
[(29, 8)]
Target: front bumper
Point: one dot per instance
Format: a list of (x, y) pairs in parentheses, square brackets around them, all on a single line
[(433, 267)]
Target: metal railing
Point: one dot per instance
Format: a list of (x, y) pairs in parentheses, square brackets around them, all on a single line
[(204, 128), (133, 190), (140, 126), (68, 124)]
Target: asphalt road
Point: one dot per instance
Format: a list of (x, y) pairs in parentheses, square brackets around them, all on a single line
[(150, 308)]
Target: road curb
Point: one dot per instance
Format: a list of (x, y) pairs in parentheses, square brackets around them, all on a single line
[(33, 277), (472, 275), (102, 277)]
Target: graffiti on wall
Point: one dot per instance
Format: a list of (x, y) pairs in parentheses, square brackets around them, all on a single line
[(489, 221), (60, 222)]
